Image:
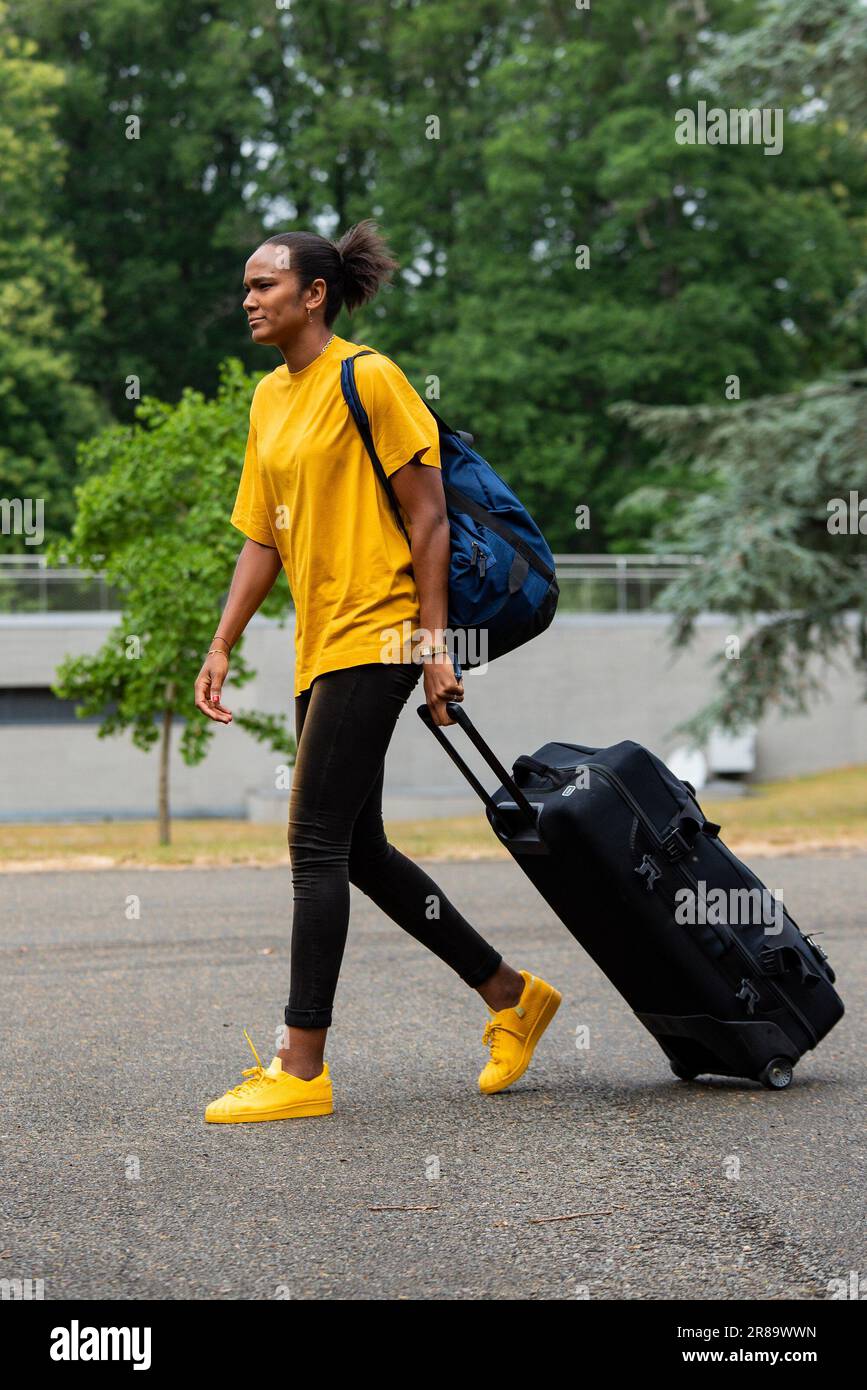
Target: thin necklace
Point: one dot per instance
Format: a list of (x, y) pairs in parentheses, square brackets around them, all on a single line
[(313, 359)]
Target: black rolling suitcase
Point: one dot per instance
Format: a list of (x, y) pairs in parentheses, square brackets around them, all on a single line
[(708, 959)]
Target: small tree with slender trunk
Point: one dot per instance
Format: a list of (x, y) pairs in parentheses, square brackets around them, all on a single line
[(152, 516)]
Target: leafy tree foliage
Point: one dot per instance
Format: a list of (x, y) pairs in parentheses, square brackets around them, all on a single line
[(780, 528), (152, 515), (49, 308), (492, 141), (560, 251), (769, 490)]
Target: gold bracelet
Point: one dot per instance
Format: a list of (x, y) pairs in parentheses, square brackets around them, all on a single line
[(218, 651)]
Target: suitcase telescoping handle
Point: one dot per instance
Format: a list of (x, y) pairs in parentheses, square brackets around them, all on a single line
[(462, 718)]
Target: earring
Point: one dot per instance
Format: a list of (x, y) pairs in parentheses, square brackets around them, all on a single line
[(309, 319)]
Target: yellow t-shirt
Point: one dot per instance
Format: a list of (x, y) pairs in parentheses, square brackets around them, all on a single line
[(308, 488)]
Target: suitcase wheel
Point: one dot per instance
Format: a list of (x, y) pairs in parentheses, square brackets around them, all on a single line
[(683, 1073), (777, 1075)]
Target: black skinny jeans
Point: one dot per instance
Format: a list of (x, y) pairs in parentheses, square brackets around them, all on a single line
[(343, 725)]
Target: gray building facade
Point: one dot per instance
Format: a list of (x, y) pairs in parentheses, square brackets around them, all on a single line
[(591, 678)]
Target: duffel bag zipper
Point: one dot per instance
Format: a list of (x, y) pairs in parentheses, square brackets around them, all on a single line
[(478, 557), (608, 776)]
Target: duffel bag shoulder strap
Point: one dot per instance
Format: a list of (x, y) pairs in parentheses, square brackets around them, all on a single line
[(349, 387)]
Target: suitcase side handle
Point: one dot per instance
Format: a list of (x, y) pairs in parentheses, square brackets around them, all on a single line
[(462, 718)]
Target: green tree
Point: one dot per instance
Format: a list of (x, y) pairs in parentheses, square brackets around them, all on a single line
[(808, 53), (49, 308), (811, 55), (152, 516), (160, 115), (780, 537), (762, 488), (490, 141), (557, 130)]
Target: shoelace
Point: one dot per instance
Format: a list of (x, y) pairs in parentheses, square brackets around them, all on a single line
[(490, 1039), (258, 1075)]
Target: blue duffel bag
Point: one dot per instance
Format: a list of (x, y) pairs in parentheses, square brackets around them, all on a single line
[(502, 586)]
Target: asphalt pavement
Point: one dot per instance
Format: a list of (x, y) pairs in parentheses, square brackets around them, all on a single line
[(125, 993)]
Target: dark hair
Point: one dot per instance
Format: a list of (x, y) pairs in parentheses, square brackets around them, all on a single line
[(353, 268)]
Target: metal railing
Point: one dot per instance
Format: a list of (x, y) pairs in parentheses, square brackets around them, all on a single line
[(29, 585), (616, 583), (588, 584)]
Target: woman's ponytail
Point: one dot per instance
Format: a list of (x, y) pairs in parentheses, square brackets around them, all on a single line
[(367, 263)]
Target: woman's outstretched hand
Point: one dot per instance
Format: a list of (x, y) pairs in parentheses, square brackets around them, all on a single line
[(209, 688), (440, 686)]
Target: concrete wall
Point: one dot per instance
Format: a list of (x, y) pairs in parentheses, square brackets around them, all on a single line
[(590, 679)]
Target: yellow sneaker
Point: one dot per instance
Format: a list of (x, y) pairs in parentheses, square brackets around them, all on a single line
[(512, 1034), (271, 1094)]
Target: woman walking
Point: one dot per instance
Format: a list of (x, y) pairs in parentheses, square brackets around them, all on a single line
[(309, 502)]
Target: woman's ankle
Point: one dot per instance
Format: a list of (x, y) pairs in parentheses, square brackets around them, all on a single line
[(303, 1052), (503, 989), (306, 1069)]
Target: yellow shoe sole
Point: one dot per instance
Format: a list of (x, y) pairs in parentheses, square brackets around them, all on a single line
[(549, 1009), (288, 1112)]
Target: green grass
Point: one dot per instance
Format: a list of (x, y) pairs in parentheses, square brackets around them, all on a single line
[(824, 809), (821, 812)]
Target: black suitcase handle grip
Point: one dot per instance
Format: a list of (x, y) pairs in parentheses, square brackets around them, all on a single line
[(460, 716)]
